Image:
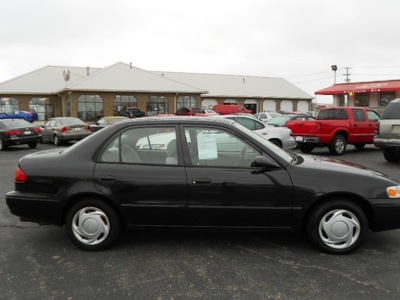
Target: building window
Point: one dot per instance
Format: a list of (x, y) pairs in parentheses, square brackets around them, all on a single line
[(385, 98), (157, 105), (8, 105), (43, 107), (361, 99), (122, 102), (186, 101), (90, 108)]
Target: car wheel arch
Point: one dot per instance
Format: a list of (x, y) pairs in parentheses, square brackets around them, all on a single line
[(94, 196), (352, 198), (277, 142)]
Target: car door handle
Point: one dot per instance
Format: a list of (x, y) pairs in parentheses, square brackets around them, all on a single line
[(107, 178), (201, 180)]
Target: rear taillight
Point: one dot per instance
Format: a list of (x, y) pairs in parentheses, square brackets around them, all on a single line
[(20, 176), (14, 132), (37, 130), (64, 129)]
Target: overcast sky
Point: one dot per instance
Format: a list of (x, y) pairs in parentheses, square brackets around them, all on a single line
[(297, 40)]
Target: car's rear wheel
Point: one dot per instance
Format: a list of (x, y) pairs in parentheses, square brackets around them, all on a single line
[(305, 148), (32, 145), (390, 155), (92, 225), (337, 227), (338, 145)]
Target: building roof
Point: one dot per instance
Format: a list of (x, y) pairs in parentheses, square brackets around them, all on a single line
[(361, 87), (122, 77), (219, 85), (46, 80)]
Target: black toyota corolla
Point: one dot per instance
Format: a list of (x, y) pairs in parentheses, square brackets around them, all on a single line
[(204, 173)]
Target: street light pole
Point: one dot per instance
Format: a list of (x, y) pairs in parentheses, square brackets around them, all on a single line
[(334, 69)]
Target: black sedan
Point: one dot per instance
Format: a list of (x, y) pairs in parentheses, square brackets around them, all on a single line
[(18, 132), (202, 173)]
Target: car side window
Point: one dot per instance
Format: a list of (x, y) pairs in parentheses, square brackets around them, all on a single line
[(218, 148), (144, 145), (373, 116), (358, 115)]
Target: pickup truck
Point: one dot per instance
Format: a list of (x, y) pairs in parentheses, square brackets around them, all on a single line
[(335, 128)]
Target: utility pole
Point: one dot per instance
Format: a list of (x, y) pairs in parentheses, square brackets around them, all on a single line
[(347, 79)]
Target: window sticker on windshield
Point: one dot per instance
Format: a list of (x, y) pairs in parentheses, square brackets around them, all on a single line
[(207, 147)]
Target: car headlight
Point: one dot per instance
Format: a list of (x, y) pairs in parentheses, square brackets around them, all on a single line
[(393, 191)]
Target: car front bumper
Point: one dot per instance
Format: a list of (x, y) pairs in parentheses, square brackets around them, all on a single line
[(385, 214)]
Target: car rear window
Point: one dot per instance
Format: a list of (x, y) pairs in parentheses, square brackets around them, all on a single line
[(392, 111)]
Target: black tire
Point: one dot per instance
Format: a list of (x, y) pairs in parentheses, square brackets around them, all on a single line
[(338, 145), (2, 147), (390, 156), (337, 227), (359, 146), (92, 225), (32, 145), (305, 148)]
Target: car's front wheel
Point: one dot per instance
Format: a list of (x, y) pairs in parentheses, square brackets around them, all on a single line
[(337, 227), (92, 225), (390, 155)]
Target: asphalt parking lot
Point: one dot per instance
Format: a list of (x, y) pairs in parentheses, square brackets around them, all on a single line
[(39, 262)]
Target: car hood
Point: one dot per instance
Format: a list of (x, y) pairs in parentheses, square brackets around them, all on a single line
[(337, 165)]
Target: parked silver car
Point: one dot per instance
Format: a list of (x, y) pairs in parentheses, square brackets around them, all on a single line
[(59, 130)]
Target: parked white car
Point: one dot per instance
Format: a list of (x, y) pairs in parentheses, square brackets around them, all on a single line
[(280, 136)]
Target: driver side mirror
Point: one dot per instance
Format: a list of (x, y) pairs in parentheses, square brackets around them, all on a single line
[(264, 162)]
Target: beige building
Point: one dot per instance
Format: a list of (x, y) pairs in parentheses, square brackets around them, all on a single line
[(89, 93)]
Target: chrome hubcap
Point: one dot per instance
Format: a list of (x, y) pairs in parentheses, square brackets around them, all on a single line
[(90, 225), (339, 229), (339, 145)]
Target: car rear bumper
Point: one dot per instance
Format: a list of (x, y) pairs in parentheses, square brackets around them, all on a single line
[(307, 139), (384, 143), (42, 210), (22, 140), (74, 136), (289, 144)]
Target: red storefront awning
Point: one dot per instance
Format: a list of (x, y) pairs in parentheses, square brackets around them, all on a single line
[(361, 87)]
